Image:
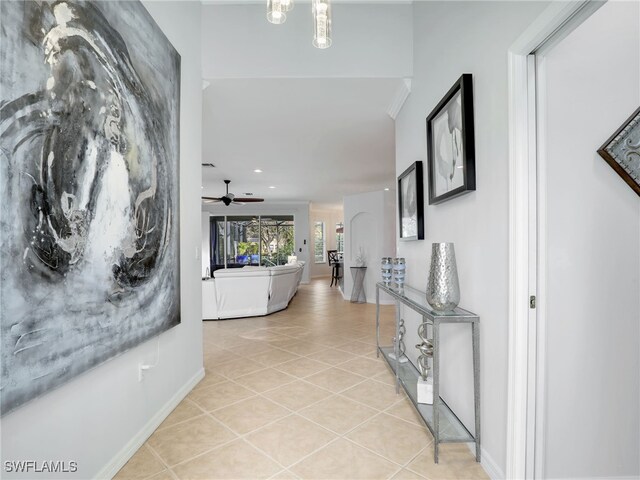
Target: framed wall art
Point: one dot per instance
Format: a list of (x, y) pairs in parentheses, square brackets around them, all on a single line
[(450, 143), (89, 189), (411, 203), (622, 151)]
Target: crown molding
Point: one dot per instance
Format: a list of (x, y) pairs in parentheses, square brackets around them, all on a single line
[(342, 2), (400, 97)]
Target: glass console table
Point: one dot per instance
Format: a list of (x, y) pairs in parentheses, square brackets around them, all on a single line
[(443, 424)]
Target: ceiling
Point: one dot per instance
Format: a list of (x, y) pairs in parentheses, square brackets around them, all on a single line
[(314, 139)]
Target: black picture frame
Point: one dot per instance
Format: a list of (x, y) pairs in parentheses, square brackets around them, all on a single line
[(411, 203), (451, 123), (621, 149)]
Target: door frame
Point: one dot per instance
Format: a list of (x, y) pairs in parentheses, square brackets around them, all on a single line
[(527, 246)]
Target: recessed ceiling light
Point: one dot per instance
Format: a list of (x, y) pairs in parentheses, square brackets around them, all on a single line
[(272, 186), (386, 189), (257, 170)]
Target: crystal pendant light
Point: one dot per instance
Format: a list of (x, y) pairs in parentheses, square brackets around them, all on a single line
[(287, 5), (276, 11), (321, 23)]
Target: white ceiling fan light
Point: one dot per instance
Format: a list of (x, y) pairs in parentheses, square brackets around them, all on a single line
[(287, 5), (275, 12)]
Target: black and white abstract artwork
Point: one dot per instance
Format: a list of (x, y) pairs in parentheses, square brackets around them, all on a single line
[(410, 198), (89, 164), (450, 143), (448, 150), (409, 206)]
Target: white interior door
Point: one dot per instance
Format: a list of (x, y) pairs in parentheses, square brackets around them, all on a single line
[(587, 421)]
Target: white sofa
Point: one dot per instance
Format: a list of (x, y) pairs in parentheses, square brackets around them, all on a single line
[(249, 291)]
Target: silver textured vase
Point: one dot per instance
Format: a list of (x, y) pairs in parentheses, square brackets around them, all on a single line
[(443, 289)]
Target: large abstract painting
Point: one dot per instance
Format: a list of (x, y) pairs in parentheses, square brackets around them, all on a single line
[(89, 148)]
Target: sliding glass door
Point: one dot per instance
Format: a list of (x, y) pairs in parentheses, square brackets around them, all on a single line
[(277, 240), (237, 240), (216, 236), (243, 241)]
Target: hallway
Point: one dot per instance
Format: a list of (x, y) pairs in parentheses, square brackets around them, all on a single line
[(297, 394)]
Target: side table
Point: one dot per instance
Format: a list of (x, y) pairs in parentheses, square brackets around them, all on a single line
[(442, 422), (357, 292)]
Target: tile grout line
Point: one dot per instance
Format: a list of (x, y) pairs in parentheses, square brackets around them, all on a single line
[(420, 425), (344, 437), (238, 436), (243, 436), (158, 457), (406, 466), (210, 415)]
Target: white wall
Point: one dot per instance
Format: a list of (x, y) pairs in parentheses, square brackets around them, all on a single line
[(593, 265), (330, 217), (101, 417), (369, 223), (368, 41), (451, 38), (205, 228), (299, 210)]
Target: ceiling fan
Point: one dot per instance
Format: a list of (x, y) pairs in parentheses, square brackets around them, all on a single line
[(230, 198)]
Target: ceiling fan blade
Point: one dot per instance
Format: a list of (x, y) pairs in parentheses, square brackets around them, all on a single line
[(248, 200), (237, 203), (211, 200)]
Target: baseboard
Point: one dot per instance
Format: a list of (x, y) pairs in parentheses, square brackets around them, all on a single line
[(495, 472), (489, 465), (624, 477), (123, 456)]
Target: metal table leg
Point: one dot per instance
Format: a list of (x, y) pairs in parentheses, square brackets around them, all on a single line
[(396, 347), (436, 389), (475, 334), (377, 321)]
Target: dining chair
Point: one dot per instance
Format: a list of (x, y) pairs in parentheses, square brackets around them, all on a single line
[(336, 263)]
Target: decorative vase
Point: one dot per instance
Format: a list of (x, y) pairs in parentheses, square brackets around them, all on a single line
[(386, 270), (443, 289), (399, 269)]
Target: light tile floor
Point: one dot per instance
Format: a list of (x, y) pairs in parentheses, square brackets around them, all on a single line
[(298, 394)]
